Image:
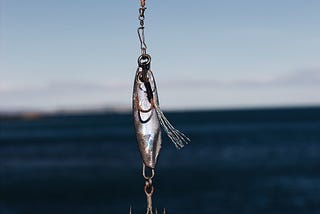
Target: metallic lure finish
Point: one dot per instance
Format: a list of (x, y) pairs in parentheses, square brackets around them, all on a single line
[(146, 122)]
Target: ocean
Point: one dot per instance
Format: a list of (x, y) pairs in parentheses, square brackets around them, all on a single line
[(264, 161)]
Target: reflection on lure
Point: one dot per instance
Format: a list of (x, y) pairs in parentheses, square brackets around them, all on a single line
[(148, 118)]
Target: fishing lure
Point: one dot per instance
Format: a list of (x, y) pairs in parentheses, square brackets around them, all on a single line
[(148, 117)]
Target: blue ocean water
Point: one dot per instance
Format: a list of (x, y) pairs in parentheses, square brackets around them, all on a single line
[(264, 161)]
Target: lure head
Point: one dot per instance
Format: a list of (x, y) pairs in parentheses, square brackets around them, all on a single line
[(146, 122)]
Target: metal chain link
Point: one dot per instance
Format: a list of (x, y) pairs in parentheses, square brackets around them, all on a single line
[(143, 3), (148, 188)]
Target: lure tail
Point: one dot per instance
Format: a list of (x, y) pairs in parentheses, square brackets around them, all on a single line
[(178, 138)]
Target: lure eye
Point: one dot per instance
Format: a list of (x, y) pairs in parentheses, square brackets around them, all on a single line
[(143, 78), (140, 77)]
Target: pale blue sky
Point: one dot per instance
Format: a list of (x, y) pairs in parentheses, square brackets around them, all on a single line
[(58, 54)]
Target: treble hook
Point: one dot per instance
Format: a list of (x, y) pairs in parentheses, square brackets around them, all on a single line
[(149, 211), (148, 190)]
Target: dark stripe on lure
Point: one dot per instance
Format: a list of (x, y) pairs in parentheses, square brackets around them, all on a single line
[(144, 64), (149, 90)]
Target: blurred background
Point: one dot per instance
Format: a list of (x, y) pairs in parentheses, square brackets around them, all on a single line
[(240, 78)]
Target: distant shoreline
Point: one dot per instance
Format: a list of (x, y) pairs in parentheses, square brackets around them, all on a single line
[(33, 115)]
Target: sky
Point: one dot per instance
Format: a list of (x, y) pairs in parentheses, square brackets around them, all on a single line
[(75, 54)]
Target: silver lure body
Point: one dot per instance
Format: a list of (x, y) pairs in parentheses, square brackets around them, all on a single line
[(147, 125)]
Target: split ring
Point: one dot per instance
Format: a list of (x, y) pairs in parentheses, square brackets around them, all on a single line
[(144, 59)]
